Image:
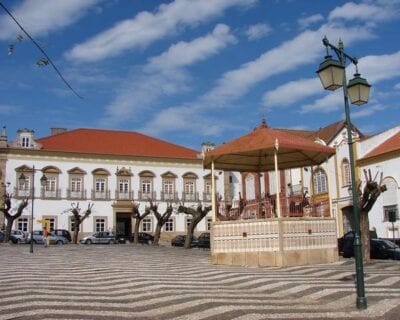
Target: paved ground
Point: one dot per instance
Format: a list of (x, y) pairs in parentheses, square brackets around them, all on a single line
[(144, 282)]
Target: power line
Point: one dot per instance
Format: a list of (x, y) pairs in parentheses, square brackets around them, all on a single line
[(42, 51)]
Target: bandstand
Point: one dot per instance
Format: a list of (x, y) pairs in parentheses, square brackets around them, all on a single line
[(270, 230)]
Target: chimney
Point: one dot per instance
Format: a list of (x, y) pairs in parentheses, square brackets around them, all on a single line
[(3, 138), (57, 130)]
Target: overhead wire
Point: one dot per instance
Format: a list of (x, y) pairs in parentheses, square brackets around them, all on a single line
[(41, 50)]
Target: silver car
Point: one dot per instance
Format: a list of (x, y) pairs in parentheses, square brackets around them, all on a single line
[(19, 235), (53, 238), (99, 238)]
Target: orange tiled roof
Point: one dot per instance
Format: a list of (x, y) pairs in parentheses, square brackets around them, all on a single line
[(109, 142), (391, 144)]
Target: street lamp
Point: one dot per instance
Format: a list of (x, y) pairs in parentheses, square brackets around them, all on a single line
[(333, 76), (22, 181)]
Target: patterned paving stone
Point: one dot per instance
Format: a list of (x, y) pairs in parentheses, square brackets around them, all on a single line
[(145, 282)]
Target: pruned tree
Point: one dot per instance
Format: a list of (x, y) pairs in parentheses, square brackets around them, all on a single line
[(78, 218), (138, 218), (371, 191), (196, 216), (161, 219), (8, 212)]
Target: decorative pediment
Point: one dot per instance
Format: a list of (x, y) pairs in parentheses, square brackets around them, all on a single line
[(146, 173), (100, 172), (51, 169), (76, 170), (208, 177), (190, 175), (124, 172), (169, 175), (23, 168)]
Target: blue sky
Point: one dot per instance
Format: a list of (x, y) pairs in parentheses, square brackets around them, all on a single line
[(190, 71)]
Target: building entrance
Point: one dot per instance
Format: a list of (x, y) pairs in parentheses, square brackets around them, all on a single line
[(124, 225)]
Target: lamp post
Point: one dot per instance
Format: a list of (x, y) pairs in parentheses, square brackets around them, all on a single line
[(333, 76), (22, 181)]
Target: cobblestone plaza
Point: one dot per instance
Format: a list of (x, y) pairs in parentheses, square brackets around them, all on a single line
[(146, 282)]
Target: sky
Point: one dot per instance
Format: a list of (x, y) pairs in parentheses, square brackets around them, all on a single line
[(191, 71)]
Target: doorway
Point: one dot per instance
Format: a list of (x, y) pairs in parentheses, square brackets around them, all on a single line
[(124, 225)]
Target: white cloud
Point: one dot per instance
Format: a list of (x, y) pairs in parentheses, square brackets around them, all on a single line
[(397, 86), (304, 23), (331, 102), (377, 68), (258, 31), (184, 54), (366, 111), (147, 27), (42, 16), (146, 86), (292, 92), (288, 56), (364, 12)]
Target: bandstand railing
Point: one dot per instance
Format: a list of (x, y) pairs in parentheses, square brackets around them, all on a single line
[(291, 206)]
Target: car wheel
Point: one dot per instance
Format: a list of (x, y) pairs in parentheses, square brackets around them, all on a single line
[(60, 242), (88, 241)]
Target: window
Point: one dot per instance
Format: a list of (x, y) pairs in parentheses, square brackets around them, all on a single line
[(387, 209), (146, 186), (25, 142), (207, 187), (389, 198), (100, 184), (147, 225), (51, 183), (123, 185), (100, 224), (76, 184), (169, 225), (189, 193), (24, 187), (168, 186), (50, 189), (320, 181), (76, 189), (209, 221), (346, 173), (51, 222), (22, 224)]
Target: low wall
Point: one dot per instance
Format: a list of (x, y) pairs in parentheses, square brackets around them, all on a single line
[(274, 242)]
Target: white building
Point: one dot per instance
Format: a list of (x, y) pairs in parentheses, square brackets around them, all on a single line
[(108, 168), (381, 154)]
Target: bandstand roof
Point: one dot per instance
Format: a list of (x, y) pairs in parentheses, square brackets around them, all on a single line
[(254, 152)]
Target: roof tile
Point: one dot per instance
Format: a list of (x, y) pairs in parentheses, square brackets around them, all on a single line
[(109, 142)]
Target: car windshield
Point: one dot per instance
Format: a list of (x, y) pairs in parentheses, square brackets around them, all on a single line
[(389, 244)]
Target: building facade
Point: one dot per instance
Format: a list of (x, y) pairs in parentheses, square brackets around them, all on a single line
[(112, 170)]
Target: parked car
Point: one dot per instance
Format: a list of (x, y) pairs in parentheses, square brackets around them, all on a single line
[(144, 238), (19, 236), (64, 233), (384, 249), (99, 238), (12, 238), (53, 238), (204, 240), (179, 241), (346, 243)]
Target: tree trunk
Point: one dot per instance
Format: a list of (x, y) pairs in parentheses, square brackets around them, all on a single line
[(157, 233), (365, 236)]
